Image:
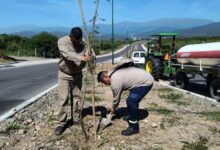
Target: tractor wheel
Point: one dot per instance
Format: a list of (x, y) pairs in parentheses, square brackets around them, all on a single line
[(214, 89), (181, 80), (153, 67)]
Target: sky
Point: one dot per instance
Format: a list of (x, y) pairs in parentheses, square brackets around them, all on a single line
[(66, 13)]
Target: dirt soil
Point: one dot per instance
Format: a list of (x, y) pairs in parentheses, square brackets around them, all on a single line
[(170, 120)]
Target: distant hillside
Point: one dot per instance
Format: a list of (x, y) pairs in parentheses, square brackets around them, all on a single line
[(141, 29), (151, 27), (29, 34), (212, 29)]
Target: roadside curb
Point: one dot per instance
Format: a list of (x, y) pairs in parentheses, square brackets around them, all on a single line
[(118, 51), (9, 63), (14, 110), (145, 49), (188, 92)]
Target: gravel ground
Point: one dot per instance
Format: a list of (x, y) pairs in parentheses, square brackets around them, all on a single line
[(170, 120)]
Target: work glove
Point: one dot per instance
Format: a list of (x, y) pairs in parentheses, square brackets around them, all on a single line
[(111, 110)]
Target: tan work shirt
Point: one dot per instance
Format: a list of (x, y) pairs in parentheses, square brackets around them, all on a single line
[(127, 79), (70, 58)]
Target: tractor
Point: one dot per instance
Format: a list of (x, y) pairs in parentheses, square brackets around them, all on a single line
[(158, 57)]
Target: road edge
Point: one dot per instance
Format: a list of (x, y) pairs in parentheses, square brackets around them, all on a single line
[(14, 110)]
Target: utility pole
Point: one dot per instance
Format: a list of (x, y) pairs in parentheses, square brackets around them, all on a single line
[(127, 39), (18, 52), (112, 31), (35, 52)]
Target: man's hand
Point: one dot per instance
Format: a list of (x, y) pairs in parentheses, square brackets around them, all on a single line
[(85, 58), (110, 110)]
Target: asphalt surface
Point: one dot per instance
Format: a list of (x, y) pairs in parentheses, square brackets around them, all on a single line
[(22, 83)]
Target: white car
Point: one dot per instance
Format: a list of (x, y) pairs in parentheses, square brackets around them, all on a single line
[(138, 57)]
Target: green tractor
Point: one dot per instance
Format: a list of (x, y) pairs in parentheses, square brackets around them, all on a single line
[(158, 59)]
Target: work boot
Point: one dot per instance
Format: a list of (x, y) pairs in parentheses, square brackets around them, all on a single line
[(60, 129), (70, 123), (129, 131)]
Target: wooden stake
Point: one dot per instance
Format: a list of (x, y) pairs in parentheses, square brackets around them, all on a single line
[(91, 66)]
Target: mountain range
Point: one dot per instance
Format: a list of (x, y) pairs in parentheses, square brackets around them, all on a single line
[(184, 26)]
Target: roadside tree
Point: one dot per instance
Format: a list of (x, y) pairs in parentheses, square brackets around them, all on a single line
[(45, 44)]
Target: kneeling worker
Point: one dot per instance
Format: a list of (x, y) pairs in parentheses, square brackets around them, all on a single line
[(131, 78)]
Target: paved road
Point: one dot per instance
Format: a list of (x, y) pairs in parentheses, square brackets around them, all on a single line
[(18, 84), (22, 83), (109, 57)]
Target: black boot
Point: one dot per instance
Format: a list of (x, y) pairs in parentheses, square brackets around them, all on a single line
[(60, 129), (130, 131), (126, 118)]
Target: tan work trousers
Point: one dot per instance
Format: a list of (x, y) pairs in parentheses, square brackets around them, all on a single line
[(68, 85)]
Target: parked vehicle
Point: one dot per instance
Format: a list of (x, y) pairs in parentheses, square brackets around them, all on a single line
[(157, 59), (138, 57)]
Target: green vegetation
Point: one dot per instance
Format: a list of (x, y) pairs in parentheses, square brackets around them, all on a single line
[(160, 110), (156, 147), (51, 118), (169, 121), (214, 116), (45, 45), (199, 145), (164, 90), (89, 98), (214, 130), (14, 127), (172, 96), (41, 45)]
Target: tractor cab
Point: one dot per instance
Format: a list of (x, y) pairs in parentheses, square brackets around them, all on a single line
[(159, 55)]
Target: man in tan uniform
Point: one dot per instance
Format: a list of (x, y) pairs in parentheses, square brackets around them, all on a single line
[(72, 60), (131, 78)]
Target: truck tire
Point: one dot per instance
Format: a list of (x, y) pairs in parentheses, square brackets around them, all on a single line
[(181, 80), (153, 67), (209, 79), (215, 89)]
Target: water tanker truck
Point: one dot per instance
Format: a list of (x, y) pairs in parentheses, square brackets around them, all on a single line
[(202, 59)]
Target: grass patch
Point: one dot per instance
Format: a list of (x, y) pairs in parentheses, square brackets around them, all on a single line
[(14, 127), (173, 97), (170, 121), (201, 144), (89, 99), (5, 59), (87, 81), (164, 90), (160, 110), (153, 104), (214, 116), (156, 147), (214, 130), (51, 119)]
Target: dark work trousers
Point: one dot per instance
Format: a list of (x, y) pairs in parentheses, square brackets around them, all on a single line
[(133, 100)]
